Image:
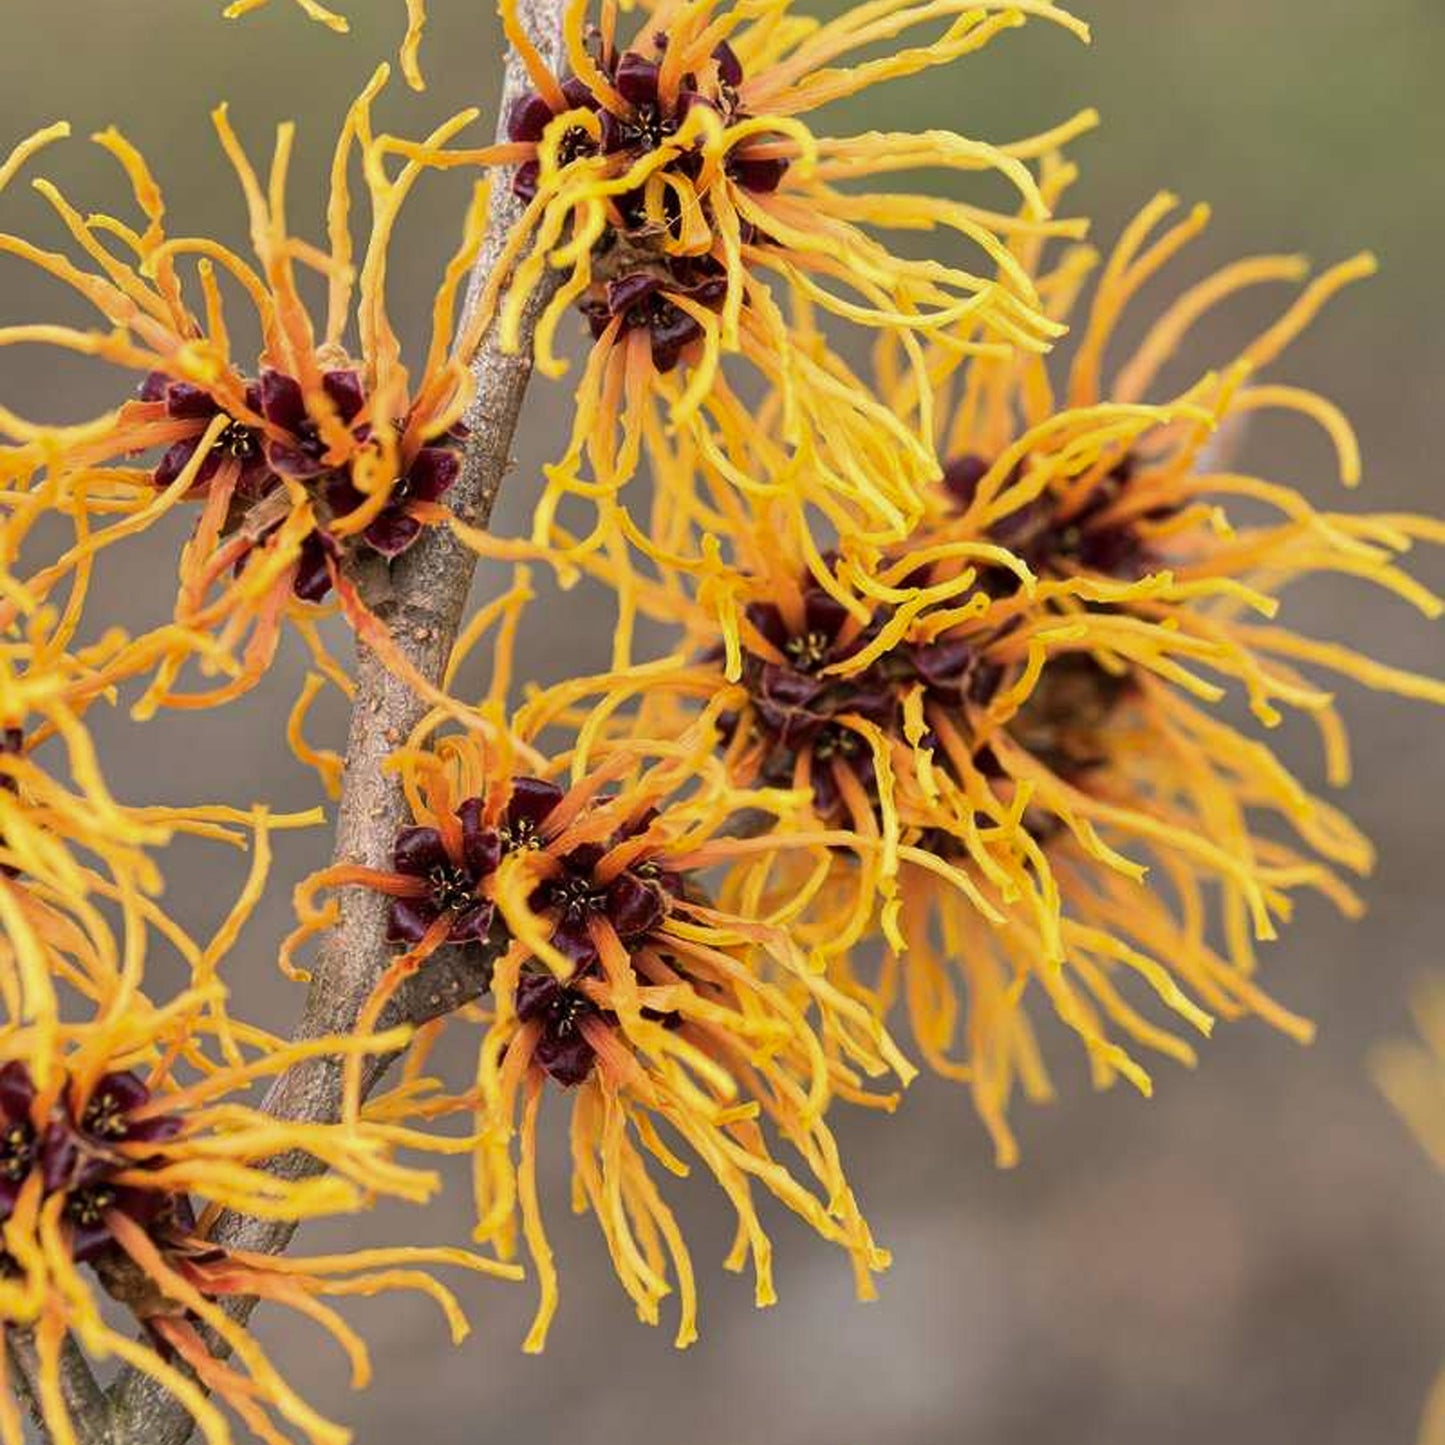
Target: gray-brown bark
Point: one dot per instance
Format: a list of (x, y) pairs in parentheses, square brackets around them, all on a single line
[(422, 603)]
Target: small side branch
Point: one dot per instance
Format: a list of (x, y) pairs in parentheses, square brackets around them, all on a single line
[(85, 1401)]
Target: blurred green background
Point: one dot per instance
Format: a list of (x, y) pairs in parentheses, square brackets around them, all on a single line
[(1258, 1254)]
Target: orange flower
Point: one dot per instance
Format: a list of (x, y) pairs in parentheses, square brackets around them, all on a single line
[(112, 1173), (1010, 713), (582, 908), (302, 467), (691, 214)]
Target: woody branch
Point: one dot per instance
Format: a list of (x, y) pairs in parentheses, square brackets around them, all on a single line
[(421, 599)]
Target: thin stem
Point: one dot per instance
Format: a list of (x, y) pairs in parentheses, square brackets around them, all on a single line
[(84, 1399), (422, 604)]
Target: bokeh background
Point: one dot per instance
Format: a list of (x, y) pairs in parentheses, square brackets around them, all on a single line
[(1255, 1255)]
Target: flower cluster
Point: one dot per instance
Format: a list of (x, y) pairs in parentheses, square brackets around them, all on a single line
[(126, 1133), (276, 439), (1008, 716), (132, 1138), (692, 215), (309, 471), (111, 1173), (612, 973), (941, 735)]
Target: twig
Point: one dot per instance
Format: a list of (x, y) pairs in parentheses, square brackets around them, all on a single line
[(423, 608), (84, 1399)]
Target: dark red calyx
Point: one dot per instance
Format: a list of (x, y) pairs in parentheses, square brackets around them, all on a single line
[(108, 1115), (531, 802), (431, 475), (18, 1140), (762, 174), (641, 298), (529, 118), (1050, 543), (961, 478), (729, 67), (794, 706), (187, 402), (299, 454), (80, 1155), (184, 401), (238, 441), (798, 708), (647, 121), (562, 1051), (816, 641), (312, 579), (453, 880), (634, 902)]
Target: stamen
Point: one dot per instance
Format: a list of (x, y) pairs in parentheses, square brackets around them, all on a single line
[(104, 1116), (451, 888)]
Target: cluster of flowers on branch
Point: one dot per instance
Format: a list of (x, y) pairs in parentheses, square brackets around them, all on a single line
[(941, 739)]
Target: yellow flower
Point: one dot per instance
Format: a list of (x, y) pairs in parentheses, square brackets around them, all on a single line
[(69, 852), (1009, 715), (303, 467), (112, 1173), (580, 904), (1099, 745), (690, 213), (917, 734)]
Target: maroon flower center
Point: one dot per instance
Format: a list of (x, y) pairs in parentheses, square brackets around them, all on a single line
[(78, 1157), (578, 898), (645, 129), (292, 447), (566, 1011), (653, 313), (559, 1011), (1052, 543), (449, 878), (452, 888), (87, 1206), (239, 442), (640, 293), (809, 652), (798, 710), (835, 741), (518, 834), (575, 143), (104, 1116), (644, 123)]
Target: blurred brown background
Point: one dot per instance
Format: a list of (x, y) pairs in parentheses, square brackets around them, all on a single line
[(1254, 1256)]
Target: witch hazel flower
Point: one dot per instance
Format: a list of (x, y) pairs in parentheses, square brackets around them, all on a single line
[(328, 456), (113, 1175), (693, 215), (581, 909), (288, 445)]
